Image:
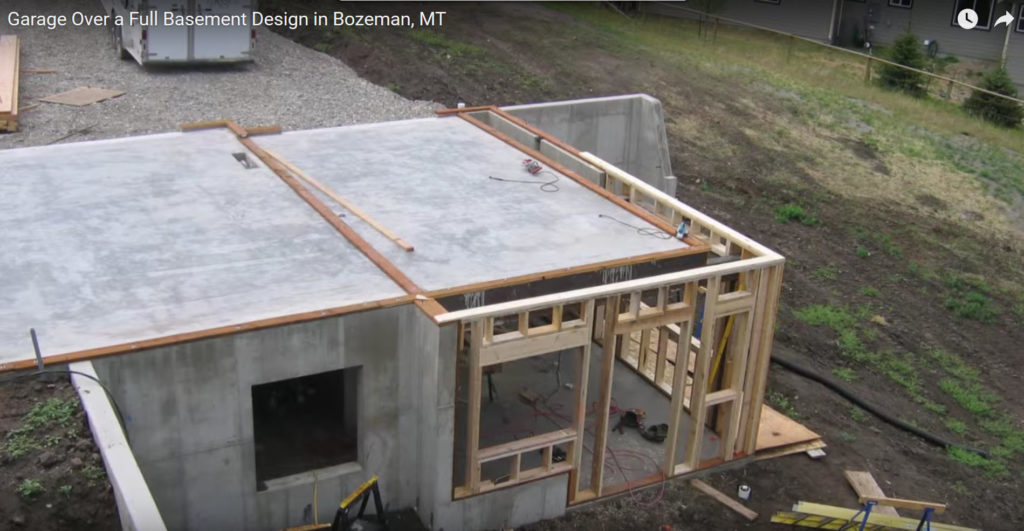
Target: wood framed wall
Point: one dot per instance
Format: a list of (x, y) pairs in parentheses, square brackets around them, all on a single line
[(716, 377)]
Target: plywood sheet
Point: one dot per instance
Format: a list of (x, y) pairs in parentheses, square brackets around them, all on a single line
[(83, 96), (778, 430)]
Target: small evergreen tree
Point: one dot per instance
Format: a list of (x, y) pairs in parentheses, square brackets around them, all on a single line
[(997, 110), (905, 51)]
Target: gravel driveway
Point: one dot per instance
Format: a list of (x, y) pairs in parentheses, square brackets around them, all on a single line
[(288, 85)]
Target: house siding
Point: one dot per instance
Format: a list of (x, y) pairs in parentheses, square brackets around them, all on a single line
[(807, 18), (1015, 55), (928, 19)]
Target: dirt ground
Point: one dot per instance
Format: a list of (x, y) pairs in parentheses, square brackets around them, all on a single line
[(887, 257), (51, 474)]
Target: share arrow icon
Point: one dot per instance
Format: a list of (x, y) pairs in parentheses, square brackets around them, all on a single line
[(1005, 19)]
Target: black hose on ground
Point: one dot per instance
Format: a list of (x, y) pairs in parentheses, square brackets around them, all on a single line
[(859, 402)]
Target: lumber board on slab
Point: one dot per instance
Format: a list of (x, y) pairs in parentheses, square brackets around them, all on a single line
[(864, 484), (351, 207), (723, 499)]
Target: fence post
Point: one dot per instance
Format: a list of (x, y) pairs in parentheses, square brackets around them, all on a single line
[(867, 71), (949, 89), (789, 51)]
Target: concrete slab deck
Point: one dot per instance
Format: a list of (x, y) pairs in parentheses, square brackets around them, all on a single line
[(115, 241), (118, 241), (427, 181)]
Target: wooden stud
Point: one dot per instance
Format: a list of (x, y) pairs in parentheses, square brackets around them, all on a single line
[(698, 413), (580, 412), (759, 376), (662, 352), (678, 396), (605, 399), (475, 389), (517, 463)]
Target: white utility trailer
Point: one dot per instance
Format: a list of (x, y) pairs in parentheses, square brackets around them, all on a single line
[(182, 31)]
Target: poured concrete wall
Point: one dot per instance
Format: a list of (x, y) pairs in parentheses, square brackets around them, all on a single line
[(627, 131), (189, 417), (188, 411)]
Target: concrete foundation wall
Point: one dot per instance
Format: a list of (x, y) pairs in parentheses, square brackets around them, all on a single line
[(627, 131), (188, 411)]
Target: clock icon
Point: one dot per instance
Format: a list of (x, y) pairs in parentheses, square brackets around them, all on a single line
[(967, 19)]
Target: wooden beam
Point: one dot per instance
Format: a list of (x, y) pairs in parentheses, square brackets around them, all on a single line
[(477, 108), (735, 302), (529, 444), (902, 503), (579, 413), (568, 271), (724, 500), (511, 350), (374, 255), (768, 309), (173, 339), (606, 290), (611, 312), (351, 207), (678, 394), (698, 413), (475, 390), (864, 484), (626, 325)]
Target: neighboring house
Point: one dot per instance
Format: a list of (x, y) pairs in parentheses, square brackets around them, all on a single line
[(853, 22)]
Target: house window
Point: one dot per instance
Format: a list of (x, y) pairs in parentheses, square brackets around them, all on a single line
[(905, 4), (1020, 18), (305, 423), (983, 8)]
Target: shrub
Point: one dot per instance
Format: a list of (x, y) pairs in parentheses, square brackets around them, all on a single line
[(997, 110), (905, 51)]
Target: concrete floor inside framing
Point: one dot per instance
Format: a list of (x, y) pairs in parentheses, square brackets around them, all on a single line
[(508, 418)]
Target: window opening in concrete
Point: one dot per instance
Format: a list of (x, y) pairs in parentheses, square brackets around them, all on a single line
[(306, 423)]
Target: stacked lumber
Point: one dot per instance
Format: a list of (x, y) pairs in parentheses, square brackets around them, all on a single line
[(9, 83)]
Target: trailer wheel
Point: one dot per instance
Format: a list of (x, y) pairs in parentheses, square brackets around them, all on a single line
[(117, 39)]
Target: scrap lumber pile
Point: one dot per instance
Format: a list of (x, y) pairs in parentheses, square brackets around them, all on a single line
[(9, 59)]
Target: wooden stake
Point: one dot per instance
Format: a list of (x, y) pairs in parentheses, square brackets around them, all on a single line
[(723, 499)]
